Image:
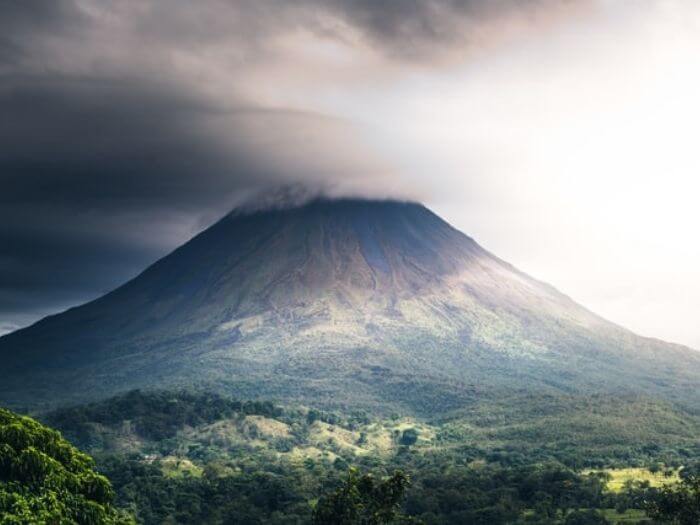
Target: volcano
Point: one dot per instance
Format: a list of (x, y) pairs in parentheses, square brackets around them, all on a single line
[(337, 302)]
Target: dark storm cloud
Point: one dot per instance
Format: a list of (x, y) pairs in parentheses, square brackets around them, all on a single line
[(420, 29), (408, 29), (86, 170), (144, 35), (99, 178), (126, 127), (99, 143)]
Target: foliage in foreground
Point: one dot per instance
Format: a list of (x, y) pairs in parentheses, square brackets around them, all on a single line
[(43, 479), (678, 504), (363, 500)]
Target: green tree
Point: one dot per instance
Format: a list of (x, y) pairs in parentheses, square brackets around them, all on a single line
[(409, 437), (678, 504), (363, 500), (43, 479)]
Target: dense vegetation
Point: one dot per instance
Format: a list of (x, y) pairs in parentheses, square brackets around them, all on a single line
[(43, 479), (363, 499), (155, 415), (678, 503), (183, 457)]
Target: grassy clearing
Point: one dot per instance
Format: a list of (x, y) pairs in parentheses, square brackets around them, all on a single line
[(620, 476), (174, 467), (632, 516)]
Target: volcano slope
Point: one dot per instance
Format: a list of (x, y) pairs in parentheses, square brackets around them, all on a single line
[(347, 303)]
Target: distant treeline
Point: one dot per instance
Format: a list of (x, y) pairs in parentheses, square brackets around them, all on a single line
[(155, 414)]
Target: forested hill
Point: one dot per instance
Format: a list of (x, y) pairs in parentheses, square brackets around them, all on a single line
[(203, 458)]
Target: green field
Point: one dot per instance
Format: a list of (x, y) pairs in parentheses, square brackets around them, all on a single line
[(629, 517), (621, 477)]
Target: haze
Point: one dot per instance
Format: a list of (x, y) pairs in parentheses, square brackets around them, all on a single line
[(560, 135)]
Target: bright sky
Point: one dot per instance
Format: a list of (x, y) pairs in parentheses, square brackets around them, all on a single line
[(576, 156), (572, 152)]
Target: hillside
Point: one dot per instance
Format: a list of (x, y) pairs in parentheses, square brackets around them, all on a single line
[(202, 458), (338, 303), (578, 432)]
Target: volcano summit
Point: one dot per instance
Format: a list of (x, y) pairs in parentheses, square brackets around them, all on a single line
[(349, 303)]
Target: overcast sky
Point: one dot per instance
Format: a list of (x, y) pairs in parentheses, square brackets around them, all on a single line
[(560, 134)]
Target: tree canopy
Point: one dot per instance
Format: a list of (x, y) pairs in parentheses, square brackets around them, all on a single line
[(678, 504), (43, 479), (363, 500)]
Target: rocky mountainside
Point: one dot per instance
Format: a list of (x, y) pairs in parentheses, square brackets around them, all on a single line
[(348, 303)]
